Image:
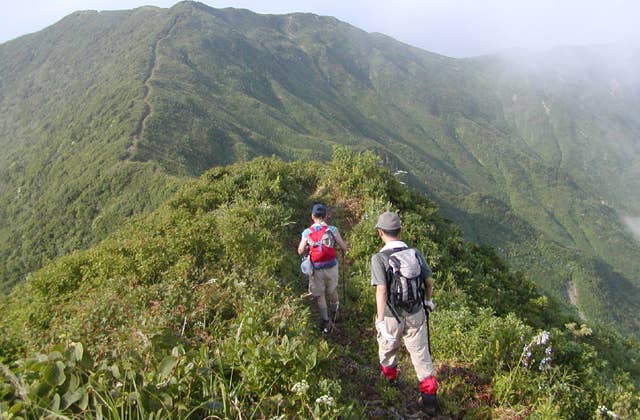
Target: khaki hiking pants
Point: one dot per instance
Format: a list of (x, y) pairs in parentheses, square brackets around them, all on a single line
[(324, 280), (413, 331)]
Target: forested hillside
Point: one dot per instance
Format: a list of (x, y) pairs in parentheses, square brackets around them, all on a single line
[(105, 114), (70, 99), (198, 310)]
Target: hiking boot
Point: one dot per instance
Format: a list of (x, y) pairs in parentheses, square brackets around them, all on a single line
[(324, 326), (429, 403)]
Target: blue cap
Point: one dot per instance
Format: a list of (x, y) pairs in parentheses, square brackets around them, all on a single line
[(319, 210)]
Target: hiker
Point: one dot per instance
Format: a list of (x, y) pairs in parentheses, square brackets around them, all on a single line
[(401, 307), (320, 240)]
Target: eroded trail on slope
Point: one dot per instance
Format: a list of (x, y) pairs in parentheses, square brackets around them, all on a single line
[(146, 88)]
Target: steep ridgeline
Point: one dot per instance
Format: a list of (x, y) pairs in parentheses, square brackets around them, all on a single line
[(198, 310), (71, 97), (104, 112)]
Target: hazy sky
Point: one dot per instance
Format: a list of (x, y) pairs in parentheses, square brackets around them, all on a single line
[(455, 28)]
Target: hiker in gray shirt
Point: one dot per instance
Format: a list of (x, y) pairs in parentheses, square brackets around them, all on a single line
[(401, 307)]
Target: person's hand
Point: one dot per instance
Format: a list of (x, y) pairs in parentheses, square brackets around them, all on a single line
[(382, 329), (429, 305)]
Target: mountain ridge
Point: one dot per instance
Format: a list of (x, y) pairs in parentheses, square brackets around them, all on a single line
[(230, 85)]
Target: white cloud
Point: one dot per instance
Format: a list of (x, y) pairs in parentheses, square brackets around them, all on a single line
[(633, 223)]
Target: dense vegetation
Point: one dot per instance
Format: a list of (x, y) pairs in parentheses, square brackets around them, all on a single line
[(70, 99), (195, 311), (105, 114)]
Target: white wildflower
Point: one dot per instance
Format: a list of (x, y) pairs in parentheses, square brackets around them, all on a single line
[(300, 388), (542, 338), (325, 399), (539, 340), (545, 363), (605, 411), (526, 355)]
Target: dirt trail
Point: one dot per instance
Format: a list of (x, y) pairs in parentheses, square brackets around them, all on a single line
[(572, 294), (146, 89)]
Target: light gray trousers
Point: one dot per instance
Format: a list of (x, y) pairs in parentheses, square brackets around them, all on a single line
[(412, 330)]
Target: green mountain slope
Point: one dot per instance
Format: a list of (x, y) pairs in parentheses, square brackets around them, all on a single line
[(513, 154), (70, 98), (195, 311)]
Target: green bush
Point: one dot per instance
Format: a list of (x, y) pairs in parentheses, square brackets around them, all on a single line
[(195, 311)]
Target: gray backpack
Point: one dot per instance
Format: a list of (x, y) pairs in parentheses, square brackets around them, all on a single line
[(405, 285)]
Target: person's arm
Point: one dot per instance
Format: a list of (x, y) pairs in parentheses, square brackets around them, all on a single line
[(379, 280), (381, 301), (428, 288), (428, 284), (302, 245), (340, 241)]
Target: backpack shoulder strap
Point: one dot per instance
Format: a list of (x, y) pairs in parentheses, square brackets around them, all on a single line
[(394, 250), (389, 280)]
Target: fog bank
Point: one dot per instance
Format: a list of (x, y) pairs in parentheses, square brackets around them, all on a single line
[(633, 223)]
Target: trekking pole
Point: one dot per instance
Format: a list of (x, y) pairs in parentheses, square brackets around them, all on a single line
[(428, 335), (426, 314), (344, 280)]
